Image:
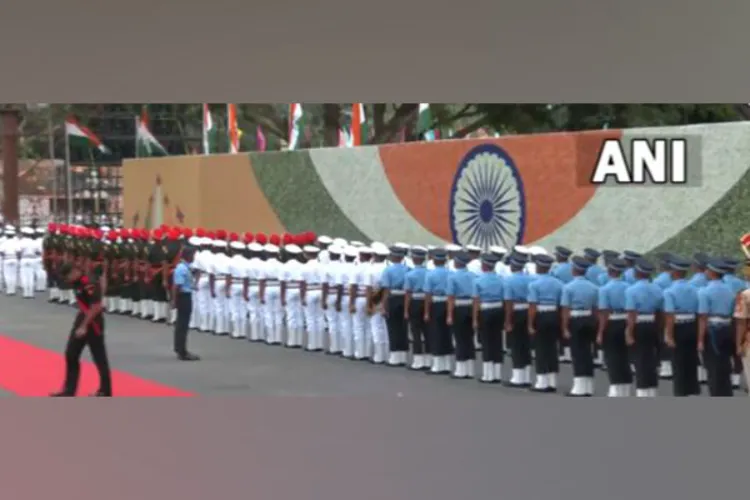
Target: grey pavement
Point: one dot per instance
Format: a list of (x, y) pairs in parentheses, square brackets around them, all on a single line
[(238, 367)]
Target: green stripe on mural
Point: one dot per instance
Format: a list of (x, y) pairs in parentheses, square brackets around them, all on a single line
[(298, 197), (716, 232)]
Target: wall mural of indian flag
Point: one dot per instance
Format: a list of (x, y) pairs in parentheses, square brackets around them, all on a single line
[(501, 191)]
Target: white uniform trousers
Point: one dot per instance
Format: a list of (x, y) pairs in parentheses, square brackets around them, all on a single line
[(26, 275), (194, 316), (361, 328), (333, 319), (10, 275), (255, 314), (205, 307), (347, 332), (238, 311), (295, 317), (379, 334), (273, 315), (314, 318), (40, 275), (221, 310)]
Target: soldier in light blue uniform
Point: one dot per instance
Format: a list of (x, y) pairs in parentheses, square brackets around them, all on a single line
[(460, 290), (594, 270), (664, 278), (516, 291), (716, 302), (414, 310), (607, 257), (488, 318), (578, 302), (737, 285), (681, 328), (630, 257), (611, 330), (643, 303), (544, 324), (561, 268), (435, 286), (392, 283), (699, 279)]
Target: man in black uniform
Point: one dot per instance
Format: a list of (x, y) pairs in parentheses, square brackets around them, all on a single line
[(88, 330)]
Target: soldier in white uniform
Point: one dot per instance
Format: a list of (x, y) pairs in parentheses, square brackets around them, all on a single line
[(344, 280), (358, 305), (534, 251), (475, 264), (323, 243), (452, 250), (329, 299), (291, 300), (238, 264), (203, 265), (219, 290), (194, 242), (27, 259), (253, 275), (3, 239), (270, 296), (40, 275), (10, 250), (311, 292), (378, 327)]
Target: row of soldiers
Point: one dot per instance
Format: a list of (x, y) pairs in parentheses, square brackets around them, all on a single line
[(438, 305), (21, 260)]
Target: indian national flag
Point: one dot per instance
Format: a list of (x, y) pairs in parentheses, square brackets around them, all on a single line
[(82, 136), (145, 142), (209, 131), (296, 125), (359, 125), (233, 129), (424, 122)]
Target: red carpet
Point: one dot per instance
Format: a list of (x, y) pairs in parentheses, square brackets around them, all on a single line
[(27, 370)]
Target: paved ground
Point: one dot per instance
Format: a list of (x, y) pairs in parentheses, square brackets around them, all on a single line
[(239, 367)]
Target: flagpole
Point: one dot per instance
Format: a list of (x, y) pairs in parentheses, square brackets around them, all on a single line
[(135, 138), (68, 179), (205, 130), (55, 170), (229, 130)]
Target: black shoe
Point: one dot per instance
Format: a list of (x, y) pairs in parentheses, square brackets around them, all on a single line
[(62, 394), (516, 386), (546, 390), (188, 357)]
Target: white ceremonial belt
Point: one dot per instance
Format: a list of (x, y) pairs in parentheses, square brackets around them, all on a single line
[(684, 318), (645, 318), (719, 320), (491, 305), (397, 292), (253, 282), (417, 296), (272, 283), (292, 287), (439, 299), (580, 313), (361, 296), (462, 302), (617, 316), (520, 307), (311, 288), (547, 308)]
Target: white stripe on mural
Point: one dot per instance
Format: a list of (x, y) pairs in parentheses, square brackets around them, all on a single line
[(643, 218), (368, 200)]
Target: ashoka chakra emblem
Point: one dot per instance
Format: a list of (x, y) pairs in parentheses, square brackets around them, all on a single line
[(487, 205)]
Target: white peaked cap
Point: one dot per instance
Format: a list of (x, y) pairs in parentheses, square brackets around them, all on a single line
[(27, 230), (419, 248), (521, 249), (205, 240), (365, 249), (473, 248), (402, 246), (452, 247), (429, 248), (340, 242), (357, 244), (382, 251), (351, 252), (194, 240), (377, 246), (326, 240), (271, 248), (311, 249), (237, 245), (219, 243), (105, 228), (499, 249), (255, 247), (292, 249), (537, 251), (40, 230), (337, 249)]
